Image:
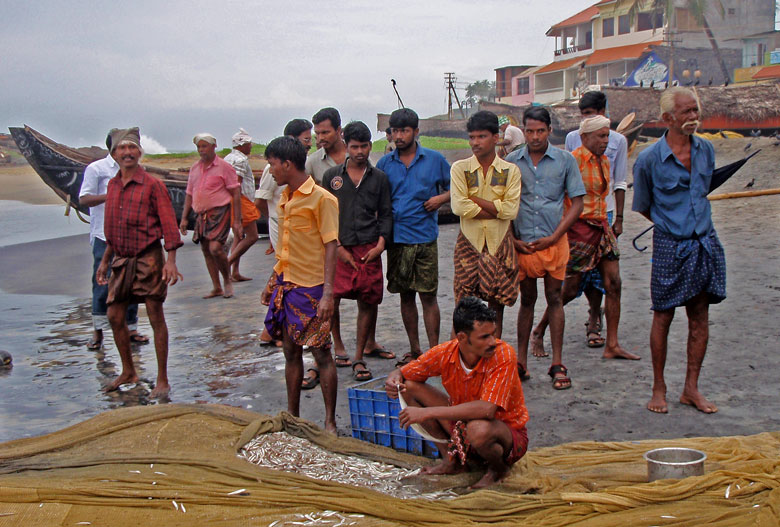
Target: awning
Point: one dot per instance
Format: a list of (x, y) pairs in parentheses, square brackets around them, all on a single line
[(634, 51), (560, 65), (770, 72), (583, 16)]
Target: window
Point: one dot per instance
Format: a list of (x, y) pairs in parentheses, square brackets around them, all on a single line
[(732, 11), (623, 25), (523, 86), (644, 21), (686, 21), (608, 27)]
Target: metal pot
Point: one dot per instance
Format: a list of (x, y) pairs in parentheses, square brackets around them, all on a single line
[(674, 463)]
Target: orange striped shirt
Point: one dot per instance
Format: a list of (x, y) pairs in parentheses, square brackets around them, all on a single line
[(596, 181), (494, 379)]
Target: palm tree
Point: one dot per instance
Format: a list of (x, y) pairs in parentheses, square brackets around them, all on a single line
[(696, 8)]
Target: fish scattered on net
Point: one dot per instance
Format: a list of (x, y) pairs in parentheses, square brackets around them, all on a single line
[(282, 451)]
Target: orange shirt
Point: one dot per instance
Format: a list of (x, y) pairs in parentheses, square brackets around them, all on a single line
[(307, 221), (596, 183), (494, 379)]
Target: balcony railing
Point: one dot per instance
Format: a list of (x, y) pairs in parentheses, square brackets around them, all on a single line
[(572, 49)]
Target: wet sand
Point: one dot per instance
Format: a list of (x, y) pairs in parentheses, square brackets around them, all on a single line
[(215, 355)]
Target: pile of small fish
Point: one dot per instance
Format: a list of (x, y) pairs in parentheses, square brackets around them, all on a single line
[(331, 518), (282, 451)]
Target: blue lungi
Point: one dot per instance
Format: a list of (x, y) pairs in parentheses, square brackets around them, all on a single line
[(684, 268)]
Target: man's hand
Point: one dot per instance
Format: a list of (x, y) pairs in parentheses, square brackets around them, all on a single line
[(345, 256), (101, 276), (183, 227), (617, 227), (412, 415), (392, 382), (375, 252), (170, 273), (435, 202), (325, 308), (238, 231), (543, 243), (522, 247)]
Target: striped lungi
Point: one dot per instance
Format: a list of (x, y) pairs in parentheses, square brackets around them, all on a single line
[(486, 276), (589, 242)]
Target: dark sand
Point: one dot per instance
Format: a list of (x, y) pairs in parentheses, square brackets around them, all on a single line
[(215, 355)]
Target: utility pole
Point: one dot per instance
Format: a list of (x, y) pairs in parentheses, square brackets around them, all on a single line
[(449, 79)]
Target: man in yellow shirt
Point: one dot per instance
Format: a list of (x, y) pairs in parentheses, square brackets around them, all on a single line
[(485, 193), (300, 291)]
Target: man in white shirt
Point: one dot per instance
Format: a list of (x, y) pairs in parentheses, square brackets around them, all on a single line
[(93, 195), (513, 136), (239, 160)]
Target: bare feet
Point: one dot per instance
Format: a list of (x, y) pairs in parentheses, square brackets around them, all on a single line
[(270, 250), (697, 400), (125, 378), (236, 277), (161, 389), (214, 293), (657, 402), (491, 477), (228, 290), (619, 353), (537, 345), (448, 466), (330, 427)]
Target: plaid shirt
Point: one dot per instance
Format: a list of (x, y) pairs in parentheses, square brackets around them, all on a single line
[(138, 214), (595, 177), (493, 379)]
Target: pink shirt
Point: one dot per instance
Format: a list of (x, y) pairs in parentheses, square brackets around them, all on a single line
[(210, 185)]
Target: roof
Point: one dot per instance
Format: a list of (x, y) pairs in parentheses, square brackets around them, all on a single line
[(770, 72), (514, 67), (633, 51), (560, 65), (528, 72), (583, 16)]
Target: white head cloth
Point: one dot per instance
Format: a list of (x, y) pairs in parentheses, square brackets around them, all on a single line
[(591, 124), (204, 137), (241, 138)]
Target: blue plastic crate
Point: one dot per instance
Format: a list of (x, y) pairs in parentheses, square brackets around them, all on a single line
[(374, 418)]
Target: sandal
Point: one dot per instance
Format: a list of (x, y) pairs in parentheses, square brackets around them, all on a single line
[(406, 359), (522, 372), (342, 361), (309, 383), (95, 344), (380, 353), (137, 338), (361, 375), (559, 383), (595, 341)]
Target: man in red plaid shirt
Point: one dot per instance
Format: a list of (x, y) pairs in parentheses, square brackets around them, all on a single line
[(138, 213)]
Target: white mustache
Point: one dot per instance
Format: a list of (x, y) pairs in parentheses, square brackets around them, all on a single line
[(686, 123)]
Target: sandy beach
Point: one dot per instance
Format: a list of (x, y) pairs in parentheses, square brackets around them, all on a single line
[(216, 357)]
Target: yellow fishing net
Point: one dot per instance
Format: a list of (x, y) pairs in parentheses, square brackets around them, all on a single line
[(127, 467)]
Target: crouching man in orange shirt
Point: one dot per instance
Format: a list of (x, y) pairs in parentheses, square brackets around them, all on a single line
[(482, 416)]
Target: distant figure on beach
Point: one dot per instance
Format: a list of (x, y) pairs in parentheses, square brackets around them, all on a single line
[(239, 160), (485, 193), (595, 103), (671, 182), (420, 185), (365, 226), (389, 137), (331, 150), (93, 195), (482, 415), (548, 175), (299, 292), (513, 137), (592, 244), (268, 194), (213, 191), (138, 214)]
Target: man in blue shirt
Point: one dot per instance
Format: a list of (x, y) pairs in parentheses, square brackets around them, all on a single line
[(419, 183), (595, 103), (548, 174), (671, 182)]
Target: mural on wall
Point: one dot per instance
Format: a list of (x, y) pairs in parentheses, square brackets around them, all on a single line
[(651, 69)]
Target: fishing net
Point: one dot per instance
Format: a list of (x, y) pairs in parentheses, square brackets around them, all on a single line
[(180, 465)]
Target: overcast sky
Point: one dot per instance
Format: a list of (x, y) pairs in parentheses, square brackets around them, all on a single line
[(74, 69)]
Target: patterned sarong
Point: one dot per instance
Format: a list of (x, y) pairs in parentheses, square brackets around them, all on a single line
[(134, 279), (459, 446), (589, 242), (684, 268), (213, 225), (294, 309), (486, 276)]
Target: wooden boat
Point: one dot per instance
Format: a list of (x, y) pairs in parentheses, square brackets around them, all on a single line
[(62, 168)]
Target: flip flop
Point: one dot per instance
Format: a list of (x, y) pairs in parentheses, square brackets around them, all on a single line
[(559, 383), (342, 361), (380, 353), (406, 359), (361, 375), (137, 338), (309, 383), (95, 344), (522, 372)]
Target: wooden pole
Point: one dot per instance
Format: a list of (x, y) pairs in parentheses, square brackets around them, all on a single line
[(745, 194)]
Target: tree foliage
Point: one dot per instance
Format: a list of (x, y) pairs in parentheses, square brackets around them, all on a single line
[(484, 90)]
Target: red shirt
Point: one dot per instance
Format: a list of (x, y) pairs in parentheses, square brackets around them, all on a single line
[(210, 185), (493, 379), (138, 214)]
